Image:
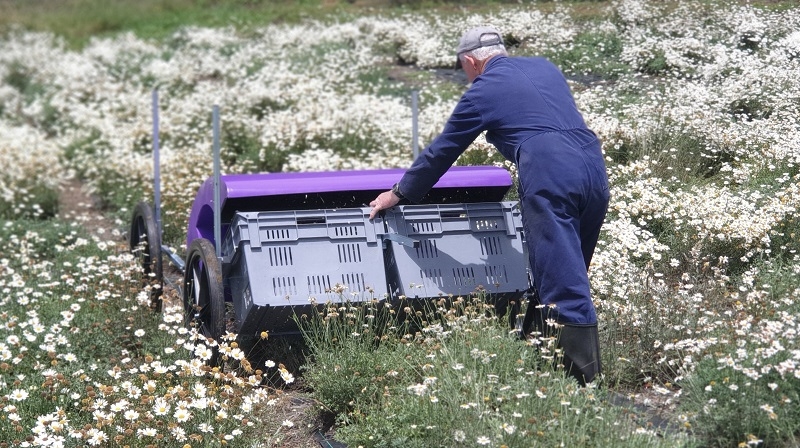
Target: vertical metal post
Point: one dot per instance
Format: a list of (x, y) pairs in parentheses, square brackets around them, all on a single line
[(217, 211), (414, 120), (156, 165)]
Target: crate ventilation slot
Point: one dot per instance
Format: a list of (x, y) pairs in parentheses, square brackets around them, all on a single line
[(486, 224), (354, 282), (346, 231), (276, 235), (283, 286), (464, 276), (280, 256), (424, 227), (318, 284), (349, 253), (432, 277), (491, 246), (496, 275), (427, 249)]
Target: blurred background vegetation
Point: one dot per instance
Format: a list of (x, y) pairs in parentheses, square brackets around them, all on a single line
[(79, 20)]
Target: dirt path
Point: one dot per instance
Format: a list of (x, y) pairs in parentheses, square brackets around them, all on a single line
[(76, 205)]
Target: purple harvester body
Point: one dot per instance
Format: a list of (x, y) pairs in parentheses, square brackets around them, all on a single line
[(330, 190)]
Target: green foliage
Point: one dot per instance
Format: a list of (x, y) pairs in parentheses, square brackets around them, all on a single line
[(352, 341), (17, 76), (591, 54), (76, 340), (418, 4), (384, 82), (21, 78), (628, 356), (31, 201), (678, 155), (750, 109), (79, 20), (61, 245), (266, 106), (50, 238), (478, 157), (731, 409), (456, 376), (786, 236), (89, 145), (243, 149), (745, 389), (656, 64), (403, 381), (117, 193)]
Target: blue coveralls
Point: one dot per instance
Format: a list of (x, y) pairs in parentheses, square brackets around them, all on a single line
[(530, 116)]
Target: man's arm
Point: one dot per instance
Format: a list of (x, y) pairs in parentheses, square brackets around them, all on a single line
[(461, 129)]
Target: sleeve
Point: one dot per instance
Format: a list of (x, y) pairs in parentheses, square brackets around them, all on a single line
[(461, 129)]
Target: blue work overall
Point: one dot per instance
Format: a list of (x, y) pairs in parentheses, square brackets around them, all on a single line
[(530, 116)]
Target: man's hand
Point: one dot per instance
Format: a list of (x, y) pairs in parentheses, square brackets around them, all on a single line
[(385, 200)]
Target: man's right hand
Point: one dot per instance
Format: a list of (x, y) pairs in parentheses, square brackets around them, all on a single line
[(385, 200)]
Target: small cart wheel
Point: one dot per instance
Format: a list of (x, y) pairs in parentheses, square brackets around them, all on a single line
[(145, 242), (203, 293)]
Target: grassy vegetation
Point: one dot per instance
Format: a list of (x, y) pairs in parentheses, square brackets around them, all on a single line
[(79, 20), (382, 369), (100, 352)]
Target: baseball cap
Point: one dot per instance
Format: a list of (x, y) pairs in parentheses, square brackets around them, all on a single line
[(482, 36)]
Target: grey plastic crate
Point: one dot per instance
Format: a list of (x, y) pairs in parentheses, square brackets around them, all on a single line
[(282, 259), (459, 248)]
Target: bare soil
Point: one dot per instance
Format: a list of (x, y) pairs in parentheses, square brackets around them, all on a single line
[(76, 205)]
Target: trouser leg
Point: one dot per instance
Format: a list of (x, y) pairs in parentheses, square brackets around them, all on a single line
[(564, 205), (564, 196), (558, 267)]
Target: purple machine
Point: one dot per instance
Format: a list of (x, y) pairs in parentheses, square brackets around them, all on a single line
[(291, 240), (268, 245), (338, 189)]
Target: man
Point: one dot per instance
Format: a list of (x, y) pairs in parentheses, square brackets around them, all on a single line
[(527, 110)]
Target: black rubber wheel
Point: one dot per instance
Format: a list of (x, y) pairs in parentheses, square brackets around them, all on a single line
[(145, 242), (203, 293)]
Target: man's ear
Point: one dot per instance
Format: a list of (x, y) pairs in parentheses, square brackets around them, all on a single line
[(471, 61)]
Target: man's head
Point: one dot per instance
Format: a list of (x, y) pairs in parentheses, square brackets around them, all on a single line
[(477, 46)]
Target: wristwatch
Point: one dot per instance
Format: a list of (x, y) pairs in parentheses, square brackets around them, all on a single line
[(396, 191)]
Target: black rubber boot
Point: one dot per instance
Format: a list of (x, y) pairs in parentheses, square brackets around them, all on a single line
[(581, 347)]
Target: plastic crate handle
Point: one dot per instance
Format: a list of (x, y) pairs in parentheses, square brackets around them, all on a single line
[(401, 239)]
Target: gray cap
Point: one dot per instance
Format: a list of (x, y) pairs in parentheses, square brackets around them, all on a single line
[(482, 36)]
